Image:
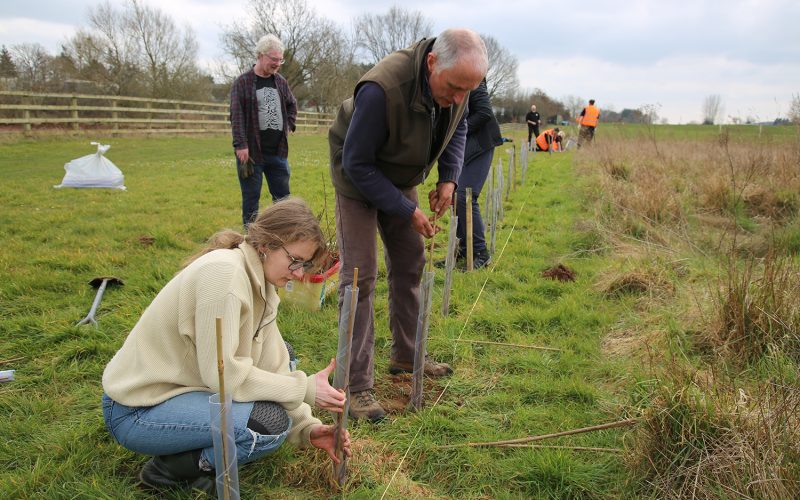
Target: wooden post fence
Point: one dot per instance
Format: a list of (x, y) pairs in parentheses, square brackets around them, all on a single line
[(44, 113)]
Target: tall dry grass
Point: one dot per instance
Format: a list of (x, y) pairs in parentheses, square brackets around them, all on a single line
[(757, 311), (651, 190), (727, 209), (704, 437)]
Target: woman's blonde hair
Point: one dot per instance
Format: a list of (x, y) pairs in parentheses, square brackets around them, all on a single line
[(282, 223)]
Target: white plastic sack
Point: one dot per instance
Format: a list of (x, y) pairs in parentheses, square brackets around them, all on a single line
[(93, 171)]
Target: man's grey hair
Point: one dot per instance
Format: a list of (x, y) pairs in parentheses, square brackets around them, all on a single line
[(268, 43), (460, 44)]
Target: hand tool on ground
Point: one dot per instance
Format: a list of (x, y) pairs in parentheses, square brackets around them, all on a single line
[(100, 283)]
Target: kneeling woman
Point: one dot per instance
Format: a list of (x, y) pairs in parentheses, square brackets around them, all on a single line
[(156, 387)]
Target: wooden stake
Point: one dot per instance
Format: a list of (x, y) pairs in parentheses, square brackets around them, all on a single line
[(530, 439), (222, 416)]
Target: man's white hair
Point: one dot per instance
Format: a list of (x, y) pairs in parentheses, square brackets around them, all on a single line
[(267, 43), (457, 45)]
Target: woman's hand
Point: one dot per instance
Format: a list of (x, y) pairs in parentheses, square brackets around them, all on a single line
[(323, 437), (327, 397)]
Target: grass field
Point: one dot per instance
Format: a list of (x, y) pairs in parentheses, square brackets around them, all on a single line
[(623, 330)]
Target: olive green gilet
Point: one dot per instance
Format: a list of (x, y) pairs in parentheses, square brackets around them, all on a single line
[(406, 158)]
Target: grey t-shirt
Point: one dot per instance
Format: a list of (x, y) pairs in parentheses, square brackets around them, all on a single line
[(270, 117)]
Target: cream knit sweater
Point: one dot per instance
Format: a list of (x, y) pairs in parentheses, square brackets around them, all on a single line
[(172, 349)]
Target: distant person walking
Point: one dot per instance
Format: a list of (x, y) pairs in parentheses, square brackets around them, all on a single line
[(263, 111), (533, 120), (550, 140), (588, 120)]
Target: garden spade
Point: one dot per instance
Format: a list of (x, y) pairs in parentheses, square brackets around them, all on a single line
[(100, 283)]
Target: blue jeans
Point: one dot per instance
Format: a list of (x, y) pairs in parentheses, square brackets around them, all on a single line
[(181, 424), (473, 175), (277, 172)]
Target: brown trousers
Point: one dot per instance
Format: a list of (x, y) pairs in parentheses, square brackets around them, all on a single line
[(404, 253)]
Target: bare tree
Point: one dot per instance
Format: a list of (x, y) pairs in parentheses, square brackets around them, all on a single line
[(335, 75), (84, 49), (85, 53), (712, 109), (120, 50), (381, 34), (167, 54), (574, 105), (143, 51), (501, 79), (31, 61), (311, 42)]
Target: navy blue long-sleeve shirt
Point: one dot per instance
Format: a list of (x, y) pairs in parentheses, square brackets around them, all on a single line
[(367, 133)]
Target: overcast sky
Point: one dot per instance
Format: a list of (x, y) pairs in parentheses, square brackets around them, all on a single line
[(625, 54)]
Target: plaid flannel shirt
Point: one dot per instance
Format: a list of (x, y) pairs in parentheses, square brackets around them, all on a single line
[(244, 114)]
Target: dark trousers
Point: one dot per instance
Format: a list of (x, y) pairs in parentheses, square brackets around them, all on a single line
[(585, 135), (277, 172), (533, 130), (404, 254), (473, 175)]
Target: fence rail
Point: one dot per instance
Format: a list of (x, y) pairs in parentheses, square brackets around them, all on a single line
[(42, 113)]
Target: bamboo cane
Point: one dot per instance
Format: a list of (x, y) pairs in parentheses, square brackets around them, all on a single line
[(340, 469), (529, 439), (11, 360), (574, 448), (222, 416)]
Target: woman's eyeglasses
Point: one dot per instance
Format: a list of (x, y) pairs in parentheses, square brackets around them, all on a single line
[(296, 263)]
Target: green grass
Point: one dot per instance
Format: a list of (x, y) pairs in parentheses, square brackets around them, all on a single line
[(53, 443)]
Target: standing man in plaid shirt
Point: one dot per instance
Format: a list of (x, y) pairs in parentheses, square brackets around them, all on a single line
[(263, 111)]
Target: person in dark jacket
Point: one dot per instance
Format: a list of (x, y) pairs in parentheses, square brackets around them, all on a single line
[(263, 111), (483, 135), (533, 119)]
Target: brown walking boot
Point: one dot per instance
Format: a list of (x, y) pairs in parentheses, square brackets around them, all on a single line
[(363, 405), (432, 368)]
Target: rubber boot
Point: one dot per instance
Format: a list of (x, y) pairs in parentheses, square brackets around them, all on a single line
[(178, 471)]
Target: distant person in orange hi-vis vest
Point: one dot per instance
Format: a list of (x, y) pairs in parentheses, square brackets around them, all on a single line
[(550, 140), (588, 121)]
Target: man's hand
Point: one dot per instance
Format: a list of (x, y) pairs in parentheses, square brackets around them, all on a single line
[(442, 197), (422, 224), (243, 155), (323, 437), (245, 163)]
